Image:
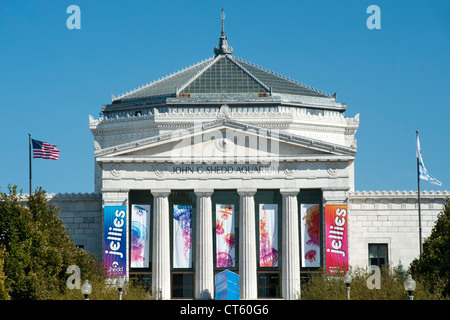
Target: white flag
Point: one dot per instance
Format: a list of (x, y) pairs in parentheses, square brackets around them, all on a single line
[(423, 173)]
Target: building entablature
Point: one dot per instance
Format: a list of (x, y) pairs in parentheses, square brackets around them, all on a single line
[(119, 130), (237, 130)]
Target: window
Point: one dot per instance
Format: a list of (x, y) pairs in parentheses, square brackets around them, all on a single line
[(183, 285), (268, 235), (140, 232), (269, 285), (225, 206), (311, 233), (182, 206), (143, 279), (378, 254)]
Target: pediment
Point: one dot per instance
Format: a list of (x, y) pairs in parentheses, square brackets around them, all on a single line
[(225, 139)]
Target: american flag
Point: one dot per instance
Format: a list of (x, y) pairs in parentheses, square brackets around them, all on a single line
[(44, 150)]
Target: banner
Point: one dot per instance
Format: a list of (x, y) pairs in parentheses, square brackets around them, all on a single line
[(310, 235), (140, 236), (225, 236), (336, 218), (114, 256), (268, 235), (182, 236)]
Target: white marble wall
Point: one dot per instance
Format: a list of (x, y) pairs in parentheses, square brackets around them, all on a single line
[(391, 217)]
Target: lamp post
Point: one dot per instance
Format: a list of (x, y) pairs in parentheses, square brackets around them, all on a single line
[(86, 289), (347, 281), (120, 283), (410, 286)]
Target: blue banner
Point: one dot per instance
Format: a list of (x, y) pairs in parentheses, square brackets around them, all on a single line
[(114, 256)]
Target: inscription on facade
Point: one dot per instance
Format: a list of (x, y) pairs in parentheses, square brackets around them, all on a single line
[(224, 169)]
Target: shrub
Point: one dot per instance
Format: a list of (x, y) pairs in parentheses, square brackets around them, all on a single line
[(326, 287)]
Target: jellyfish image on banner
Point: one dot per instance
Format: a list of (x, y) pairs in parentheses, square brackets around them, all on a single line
[(225, 236), (224, 260), (268, 235), (310, 234), (139, 236), (182, 236), (311, 255), (140, 224)]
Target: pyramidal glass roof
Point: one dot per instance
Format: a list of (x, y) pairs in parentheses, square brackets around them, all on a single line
[(219, 76), (222, 75)]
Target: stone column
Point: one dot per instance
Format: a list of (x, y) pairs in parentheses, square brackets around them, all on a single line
[(247, 245), (204, 263), (161, 244), (290, 274)]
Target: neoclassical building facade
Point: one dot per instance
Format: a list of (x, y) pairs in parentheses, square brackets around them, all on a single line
[(227, 165)]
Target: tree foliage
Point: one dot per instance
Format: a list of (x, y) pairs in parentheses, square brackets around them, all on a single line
[(434, 263), (322, 286), (36, 249)]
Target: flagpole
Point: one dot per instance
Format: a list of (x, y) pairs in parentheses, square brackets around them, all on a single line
[(29, 157), (418, 194)]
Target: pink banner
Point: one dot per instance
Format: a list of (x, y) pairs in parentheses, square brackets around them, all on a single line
[(310, 235), (268, 235), (225, 245), (336, 237)]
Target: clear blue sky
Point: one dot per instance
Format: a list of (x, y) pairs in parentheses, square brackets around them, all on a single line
[(397, 78)]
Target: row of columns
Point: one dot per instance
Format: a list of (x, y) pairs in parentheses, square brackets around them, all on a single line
[(204, 264)]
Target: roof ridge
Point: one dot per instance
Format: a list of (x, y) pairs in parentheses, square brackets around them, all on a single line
[(304, 85), (248, 73), (154, 82)]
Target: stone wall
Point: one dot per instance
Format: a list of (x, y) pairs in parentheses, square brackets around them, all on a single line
[(82, 217), (391, 217)]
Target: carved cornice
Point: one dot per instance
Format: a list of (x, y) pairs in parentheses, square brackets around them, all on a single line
[(304, 121), (355, 195), (74, 196)]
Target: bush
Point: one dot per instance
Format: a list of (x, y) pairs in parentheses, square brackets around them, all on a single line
[(101, 290), (326, 287)]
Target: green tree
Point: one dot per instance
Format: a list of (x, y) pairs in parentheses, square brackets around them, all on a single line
[(433, 264), (37, 248), (3, 294)]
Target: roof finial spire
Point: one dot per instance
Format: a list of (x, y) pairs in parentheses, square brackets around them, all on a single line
[(223, 47), (222, 16)]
